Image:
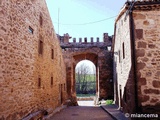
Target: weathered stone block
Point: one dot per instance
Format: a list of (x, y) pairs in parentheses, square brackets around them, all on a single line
[(158, 73), (138, 75), (142, 81), (139, 16), (149, 54), (145, 59), (140, 65), (140, 52), (151, 91), (139, 33), (154, 100), (151, 33), (152, 46), (144, 98), (149, 74), (145, 22), (156, 84), (142, 44)]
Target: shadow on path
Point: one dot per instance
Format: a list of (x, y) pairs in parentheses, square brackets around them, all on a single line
[(82, 113)]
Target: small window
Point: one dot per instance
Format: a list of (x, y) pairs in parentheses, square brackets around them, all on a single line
[(30, 29), (52, 53), (119, 53), (39, 82), (40, 20), (52, 81), (123, 50), (40, 47)]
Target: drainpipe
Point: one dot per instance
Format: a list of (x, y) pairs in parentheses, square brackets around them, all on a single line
[(98, 82), (114, 67), (132, 38)]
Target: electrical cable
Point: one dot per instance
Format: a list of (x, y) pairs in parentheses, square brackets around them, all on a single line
[(87, 22)]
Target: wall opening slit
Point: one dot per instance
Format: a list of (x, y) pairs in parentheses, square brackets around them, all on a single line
[(52, 81), (30, 29), (39, 82), (40, 47)]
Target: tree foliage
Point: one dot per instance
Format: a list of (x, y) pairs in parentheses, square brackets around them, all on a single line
[(85, 81)]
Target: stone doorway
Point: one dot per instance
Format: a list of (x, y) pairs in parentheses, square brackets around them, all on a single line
[(85, 82)]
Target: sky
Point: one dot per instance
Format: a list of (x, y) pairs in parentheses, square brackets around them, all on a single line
[(84, 18), (89, 64)]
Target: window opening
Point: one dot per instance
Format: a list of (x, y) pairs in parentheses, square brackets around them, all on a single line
[(52, 53), (39, 82), (40, 47), (52, 81), (119, 53), (30, 29), (123, 50), (40, 20)]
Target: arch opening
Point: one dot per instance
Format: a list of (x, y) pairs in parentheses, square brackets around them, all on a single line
[(85, 82)]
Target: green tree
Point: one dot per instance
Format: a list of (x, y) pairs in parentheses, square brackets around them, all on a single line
[(85, 81)]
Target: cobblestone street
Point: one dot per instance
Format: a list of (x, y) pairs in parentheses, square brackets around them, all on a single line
[(87, 112)]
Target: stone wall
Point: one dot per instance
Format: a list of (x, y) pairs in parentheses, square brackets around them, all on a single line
[(97, 53), (147, 39), (137, 50), (123, 67), (33, 73)]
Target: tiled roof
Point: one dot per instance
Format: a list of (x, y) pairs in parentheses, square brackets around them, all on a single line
[(139, 5)]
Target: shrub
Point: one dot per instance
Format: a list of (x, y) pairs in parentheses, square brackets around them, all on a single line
[(109, 102)]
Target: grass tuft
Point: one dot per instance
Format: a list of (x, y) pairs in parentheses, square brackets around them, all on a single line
[(109, 102)]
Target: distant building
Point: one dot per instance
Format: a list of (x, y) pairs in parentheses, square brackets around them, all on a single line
[(136, 48)]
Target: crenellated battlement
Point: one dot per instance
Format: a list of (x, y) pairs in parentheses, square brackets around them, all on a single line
[(65, 39), (84, 42)]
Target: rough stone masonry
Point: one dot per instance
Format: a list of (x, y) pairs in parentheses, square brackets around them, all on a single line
[(32, 70), (98, 53), (137, 62)]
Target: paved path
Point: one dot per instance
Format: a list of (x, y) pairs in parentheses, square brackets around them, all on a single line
[(114, 111), (82, 113), (86, 103)]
